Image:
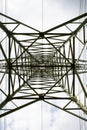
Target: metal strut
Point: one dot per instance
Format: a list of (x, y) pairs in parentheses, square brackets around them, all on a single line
[(48, 71)]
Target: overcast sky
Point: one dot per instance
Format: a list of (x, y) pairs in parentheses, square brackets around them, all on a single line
[(54, 13)]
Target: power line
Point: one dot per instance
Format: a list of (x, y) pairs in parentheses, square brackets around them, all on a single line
[(82, 9)]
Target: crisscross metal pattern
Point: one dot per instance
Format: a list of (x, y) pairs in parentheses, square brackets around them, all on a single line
[(43, 66)]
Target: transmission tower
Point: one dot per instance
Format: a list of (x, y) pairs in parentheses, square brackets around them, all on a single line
[(43, 66)]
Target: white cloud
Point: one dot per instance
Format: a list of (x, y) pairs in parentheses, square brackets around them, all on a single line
[(27, 11), (54, 12), (47, 117)]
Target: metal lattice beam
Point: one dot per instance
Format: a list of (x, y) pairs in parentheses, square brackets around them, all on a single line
[(43, 66)]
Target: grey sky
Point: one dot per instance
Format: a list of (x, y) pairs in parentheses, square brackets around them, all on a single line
[(31, 118), (54, 13)]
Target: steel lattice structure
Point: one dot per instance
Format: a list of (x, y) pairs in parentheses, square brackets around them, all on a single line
[(47, 66)]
